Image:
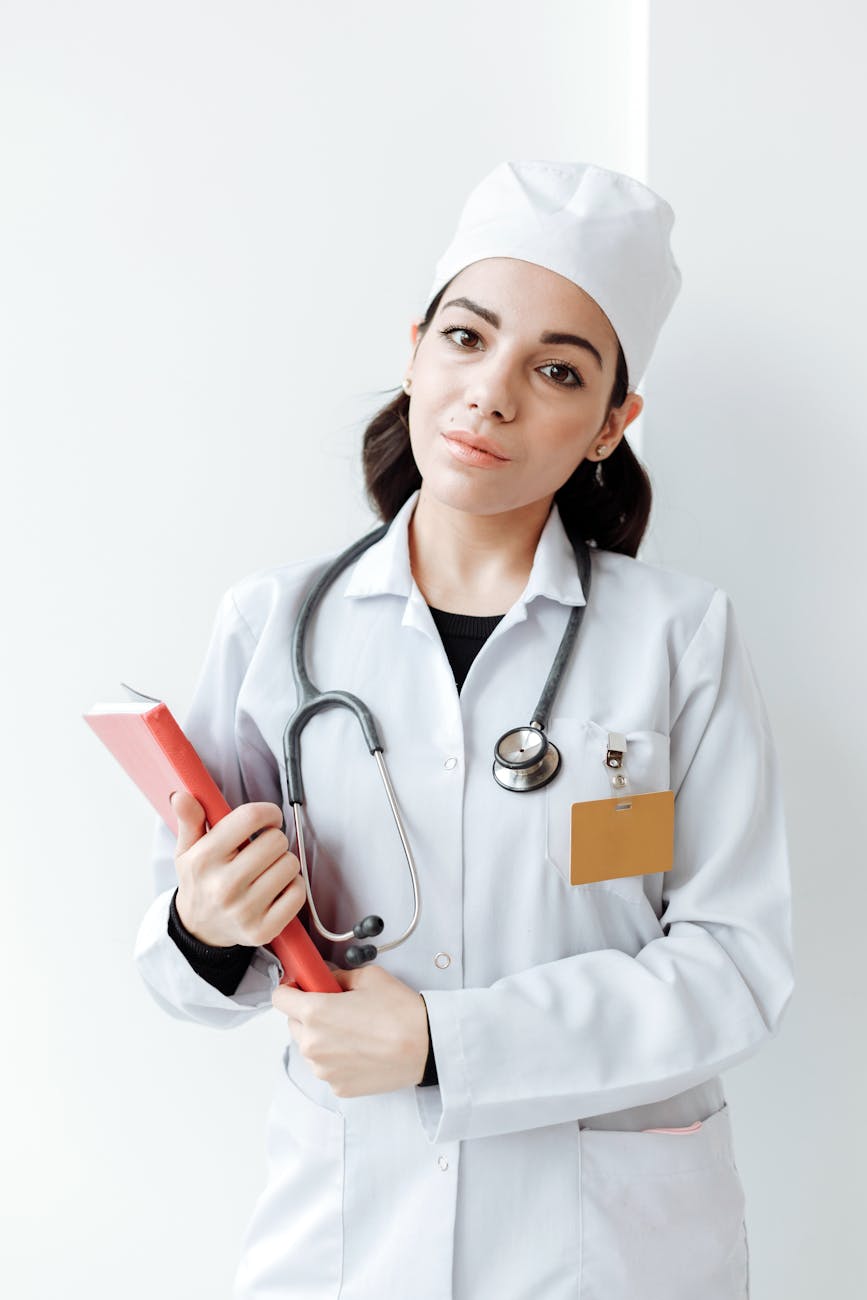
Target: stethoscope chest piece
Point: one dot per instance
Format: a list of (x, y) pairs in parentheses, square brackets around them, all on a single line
[(525, 759)]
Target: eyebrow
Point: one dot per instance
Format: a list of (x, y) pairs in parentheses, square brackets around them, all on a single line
[(549, 336)]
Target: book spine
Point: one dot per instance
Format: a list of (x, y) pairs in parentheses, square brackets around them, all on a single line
[(186, 762)]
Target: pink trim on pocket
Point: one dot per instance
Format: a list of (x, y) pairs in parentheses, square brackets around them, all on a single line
[(689, 1129)]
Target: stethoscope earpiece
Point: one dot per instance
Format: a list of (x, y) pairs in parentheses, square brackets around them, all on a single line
[(359, 956), (367, 928)]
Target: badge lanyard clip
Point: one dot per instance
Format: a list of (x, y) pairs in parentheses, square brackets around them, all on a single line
[(615, 758)]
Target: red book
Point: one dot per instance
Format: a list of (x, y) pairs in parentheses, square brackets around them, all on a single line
[(151, 748)]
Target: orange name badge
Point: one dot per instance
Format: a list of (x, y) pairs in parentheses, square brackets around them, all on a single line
[(627, 835)]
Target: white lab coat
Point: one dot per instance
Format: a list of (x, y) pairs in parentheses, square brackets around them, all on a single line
[(565, 1020)]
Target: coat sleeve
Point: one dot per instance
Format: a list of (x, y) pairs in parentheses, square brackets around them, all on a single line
[(603, 1031), (237, 757)]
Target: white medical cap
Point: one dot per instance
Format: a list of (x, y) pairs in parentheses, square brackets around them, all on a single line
[(605, 231)]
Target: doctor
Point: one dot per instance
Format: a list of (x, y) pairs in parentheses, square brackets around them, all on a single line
[(524, 1098)]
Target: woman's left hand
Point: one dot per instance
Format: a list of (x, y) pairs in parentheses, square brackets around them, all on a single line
[(372, 1039)]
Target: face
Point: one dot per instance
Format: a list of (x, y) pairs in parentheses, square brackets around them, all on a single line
[(480, 372)]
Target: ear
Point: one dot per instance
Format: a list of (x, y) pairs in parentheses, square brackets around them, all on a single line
[(622, 416), (414, 339), (619, 418), (633, 405)]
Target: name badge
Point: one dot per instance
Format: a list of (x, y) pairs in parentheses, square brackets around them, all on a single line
[(624, 835)]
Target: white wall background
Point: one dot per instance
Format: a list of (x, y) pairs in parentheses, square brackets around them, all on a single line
[(755, 438), (218, 223)]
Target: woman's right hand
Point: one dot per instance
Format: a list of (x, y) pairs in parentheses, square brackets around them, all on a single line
[(229, 891)]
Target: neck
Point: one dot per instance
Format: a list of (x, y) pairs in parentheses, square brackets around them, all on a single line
[(473, 564)]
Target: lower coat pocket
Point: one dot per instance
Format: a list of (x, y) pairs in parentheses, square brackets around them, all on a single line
[(662, 1214)]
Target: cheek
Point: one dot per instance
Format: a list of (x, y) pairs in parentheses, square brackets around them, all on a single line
[(422, 442), (426, 418), (559, 457), (431, 393)]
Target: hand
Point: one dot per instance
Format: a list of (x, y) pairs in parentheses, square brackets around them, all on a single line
[(231, 890), (373, 1039)]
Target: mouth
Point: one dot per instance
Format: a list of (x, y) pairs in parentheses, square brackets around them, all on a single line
[(474, 448)]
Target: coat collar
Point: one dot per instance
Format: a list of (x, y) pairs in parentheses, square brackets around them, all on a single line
[(384, 568)]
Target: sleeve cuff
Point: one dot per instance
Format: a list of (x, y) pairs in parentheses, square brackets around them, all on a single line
[(222, 968), (444, 1109)]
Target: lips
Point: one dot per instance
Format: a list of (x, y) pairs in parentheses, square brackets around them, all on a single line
[(476, 440)]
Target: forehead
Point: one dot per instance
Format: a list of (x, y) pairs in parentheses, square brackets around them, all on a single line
[(531, 295)]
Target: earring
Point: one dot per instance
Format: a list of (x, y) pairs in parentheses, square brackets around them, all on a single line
[(407, 384), (602, 450)]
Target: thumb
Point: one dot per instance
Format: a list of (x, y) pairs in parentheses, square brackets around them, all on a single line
[(347, 979), (191, 819)]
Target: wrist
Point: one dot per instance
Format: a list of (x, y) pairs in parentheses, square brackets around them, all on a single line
[(193, 942)]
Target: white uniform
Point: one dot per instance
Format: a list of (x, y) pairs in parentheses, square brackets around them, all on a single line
[(566, 1020)]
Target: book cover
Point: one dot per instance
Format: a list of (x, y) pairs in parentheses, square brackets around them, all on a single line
[(151, 747)]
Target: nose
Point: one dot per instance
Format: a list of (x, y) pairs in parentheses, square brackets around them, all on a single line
[(489, 390)]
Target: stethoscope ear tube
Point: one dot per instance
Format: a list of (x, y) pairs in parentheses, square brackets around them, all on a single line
[(524, 758), (310, 705), (310, 701)]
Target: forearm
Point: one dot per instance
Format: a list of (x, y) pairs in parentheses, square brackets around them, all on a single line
[(589, 1034)]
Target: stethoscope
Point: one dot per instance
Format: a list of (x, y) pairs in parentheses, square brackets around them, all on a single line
[(524, 758)]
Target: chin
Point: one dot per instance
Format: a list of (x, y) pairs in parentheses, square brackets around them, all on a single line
[(475, 497)]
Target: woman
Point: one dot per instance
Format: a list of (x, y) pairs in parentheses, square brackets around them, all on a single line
[(523, 1098)]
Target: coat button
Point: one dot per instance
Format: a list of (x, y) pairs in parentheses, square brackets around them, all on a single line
[(442, 1162), (450, 763), (442, 961)]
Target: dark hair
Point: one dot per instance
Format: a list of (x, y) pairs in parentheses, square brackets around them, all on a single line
[(609, 504)]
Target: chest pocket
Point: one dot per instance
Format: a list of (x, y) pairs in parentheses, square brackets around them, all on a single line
[(583, 744)]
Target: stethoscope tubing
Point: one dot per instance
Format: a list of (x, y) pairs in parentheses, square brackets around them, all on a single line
[(512, 772), (309, 700)]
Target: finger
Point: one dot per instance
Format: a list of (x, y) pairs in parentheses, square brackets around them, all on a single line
[(295, 1025), (265, 865), (288, 1001), (242, 823), (191, 819), (269, 878)]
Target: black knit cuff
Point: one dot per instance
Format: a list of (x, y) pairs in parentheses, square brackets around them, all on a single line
[(222, 968), (430, 1078)]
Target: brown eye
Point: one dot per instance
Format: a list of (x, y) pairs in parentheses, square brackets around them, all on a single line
[(561, 365), (459, 329)]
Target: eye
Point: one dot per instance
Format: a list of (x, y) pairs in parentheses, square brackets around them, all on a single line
[(556, 365), (561, 365), (458, 329)]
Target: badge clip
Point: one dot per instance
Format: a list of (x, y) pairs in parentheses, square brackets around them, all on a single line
[(615, 757)]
